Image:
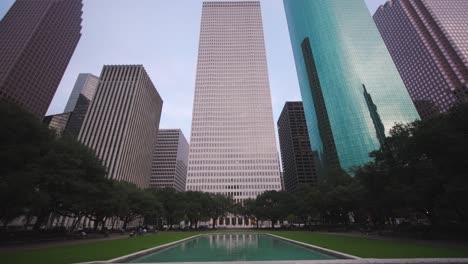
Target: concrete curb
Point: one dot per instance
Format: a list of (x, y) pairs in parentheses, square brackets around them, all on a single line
[(142, 252)]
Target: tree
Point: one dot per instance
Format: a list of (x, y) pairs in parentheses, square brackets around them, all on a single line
[(219, 206), (131, 203), (420, 169), (196, 207), (172, 205), (24, 140), (42, 174), (274, 206)]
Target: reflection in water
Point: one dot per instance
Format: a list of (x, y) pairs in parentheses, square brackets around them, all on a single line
[(233, 241), (232, 247)]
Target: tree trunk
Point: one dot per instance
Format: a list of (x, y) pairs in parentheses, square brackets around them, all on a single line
[(40, 219), (75, 223), (125, 223), (113, 223)]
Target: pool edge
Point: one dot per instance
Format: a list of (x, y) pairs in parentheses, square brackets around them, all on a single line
[(317, 248), (149, 250)]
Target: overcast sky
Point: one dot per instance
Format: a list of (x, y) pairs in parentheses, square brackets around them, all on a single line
[(163, 36)]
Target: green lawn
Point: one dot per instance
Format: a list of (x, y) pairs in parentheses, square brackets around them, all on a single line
[(105, 250), (372, 248), (102, 250)]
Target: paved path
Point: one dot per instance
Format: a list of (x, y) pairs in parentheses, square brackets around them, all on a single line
[(15, 248)]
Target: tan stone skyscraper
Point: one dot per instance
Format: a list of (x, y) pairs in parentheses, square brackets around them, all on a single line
[(122, 123), (233, 148)]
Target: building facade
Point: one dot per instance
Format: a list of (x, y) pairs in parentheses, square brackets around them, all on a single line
[(296, 153), (351, 90), (170, 160), (75, 122), (427, 40), (77, 106), (122, 123), (232, 148), (85, 85), (58, 122), (37, 41)]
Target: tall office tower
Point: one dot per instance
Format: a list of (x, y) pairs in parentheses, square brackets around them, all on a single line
[(78, 103), (80, 99), (428, 43), (296, 152), (233, 148), (351, 90), (37, 40), (75, 122), (85, 85), (170, 160), (122, 123)]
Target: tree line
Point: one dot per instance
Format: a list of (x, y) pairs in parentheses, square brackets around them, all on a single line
[(42, 174), (420, 172)]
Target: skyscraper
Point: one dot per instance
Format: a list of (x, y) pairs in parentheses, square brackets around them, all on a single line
[(85, 85), (77, 106), (122, 123), (296, 153), (58, 122), (428, 43), (170, 160), (76, 119), (351, 90), (37, 40), (232, 148)]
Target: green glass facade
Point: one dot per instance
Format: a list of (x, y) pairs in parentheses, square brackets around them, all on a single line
[(350, 87)]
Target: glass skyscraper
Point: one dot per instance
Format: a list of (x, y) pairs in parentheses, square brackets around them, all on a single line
[(351, 89)]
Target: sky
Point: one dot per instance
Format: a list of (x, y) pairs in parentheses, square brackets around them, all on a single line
[(163, 35)]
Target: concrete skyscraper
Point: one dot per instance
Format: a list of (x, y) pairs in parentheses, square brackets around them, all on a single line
[(122, 123), (170, 160), (232, 148), (85, 85), (428, 41), (351, 90), (298, 159), (37, 41)]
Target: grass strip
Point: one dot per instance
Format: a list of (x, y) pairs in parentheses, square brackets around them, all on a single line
[(375, 248), (94, 251)]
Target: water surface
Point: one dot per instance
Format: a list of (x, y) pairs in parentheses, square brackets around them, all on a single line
[(233, 247)]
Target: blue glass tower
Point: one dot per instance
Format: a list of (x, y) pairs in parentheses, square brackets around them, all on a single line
[(350, 87)]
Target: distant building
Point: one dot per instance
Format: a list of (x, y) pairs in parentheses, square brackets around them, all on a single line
[(170, 160), (77, 106), (351, 90), (75, 122), (85, 85), (122, 123), (232, 148), (428, 43), (37, 41), (296, 153), (58, 122)]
